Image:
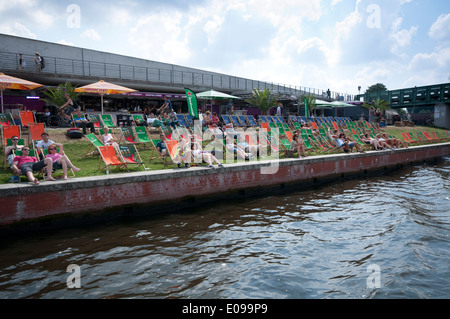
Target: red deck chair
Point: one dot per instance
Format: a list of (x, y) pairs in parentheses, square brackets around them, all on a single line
[(27, 118), (427, 135), (109, 157), (9, 132)]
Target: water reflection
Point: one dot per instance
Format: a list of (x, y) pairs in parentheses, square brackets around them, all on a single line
[(309, 244)]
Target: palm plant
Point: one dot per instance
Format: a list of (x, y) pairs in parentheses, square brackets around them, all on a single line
[(311, 101), (377, 104), (264, 100), (56, 96)]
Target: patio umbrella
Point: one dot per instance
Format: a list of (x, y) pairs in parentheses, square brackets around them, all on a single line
[(341, 104), (102, 88), (215, 95), (10, 82)]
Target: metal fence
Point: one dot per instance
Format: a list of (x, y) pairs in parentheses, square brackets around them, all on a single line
[(71, 67)]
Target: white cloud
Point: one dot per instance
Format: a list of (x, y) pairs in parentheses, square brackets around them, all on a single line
[(91, 34), (440, 30), (17, 29), (401, 38)]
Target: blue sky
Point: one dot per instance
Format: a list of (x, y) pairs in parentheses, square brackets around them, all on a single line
[(336, 44)]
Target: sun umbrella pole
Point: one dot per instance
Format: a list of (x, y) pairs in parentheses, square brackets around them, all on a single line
[(1, 93), (101, 98)]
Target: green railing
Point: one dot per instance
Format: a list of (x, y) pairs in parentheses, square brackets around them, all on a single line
[(417, 96)]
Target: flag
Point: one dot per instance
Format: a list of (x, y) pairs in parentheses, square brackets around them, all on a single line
[(191, 102), (306, 108)]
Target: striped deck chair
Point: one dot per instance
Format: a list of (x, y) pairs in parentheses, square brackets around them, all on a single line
[(131, 155), (110, 158), (305, 138), (95, 118), (108, 120), (27, 118)]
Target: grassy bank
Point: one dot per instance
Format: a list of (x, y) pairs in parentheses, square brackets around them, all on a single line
[(76, 149)]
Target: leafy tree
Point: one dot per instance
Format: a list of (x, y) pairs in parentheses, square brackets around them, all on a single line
[(263, 100), (379, 87), (56, 96)]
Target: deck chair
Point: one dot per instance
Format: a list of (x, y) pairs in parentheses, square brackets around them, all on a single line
[(95, 118), (428, 136), (94, 142), (226, 119), (27, 118), (235, 121), (131, 155), (305, 138), (32, 153), (10, 131), (263, 119), (436, 136), (189, 120), (110, 158), (138, 119), (141, 134), (251, 120), (243, 120), (127, 134), (6, 119), (164, 158), (182, 120), (35, 132), (108, 120), (20, 143)]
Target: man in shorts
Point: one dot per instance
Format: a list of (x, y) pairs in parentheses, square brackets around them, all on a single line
[(26, 164)]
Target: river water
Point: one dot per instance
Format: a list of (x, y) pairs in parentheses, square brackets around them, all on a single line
[(377, 237)]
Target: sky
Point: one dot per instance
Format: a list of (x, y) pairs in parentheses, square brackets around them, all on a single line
[(322, 44)]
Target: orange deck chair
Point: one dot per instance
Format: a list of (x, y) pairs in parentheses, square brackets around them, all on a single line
[(109, 157), (9, 132), (27, 118)]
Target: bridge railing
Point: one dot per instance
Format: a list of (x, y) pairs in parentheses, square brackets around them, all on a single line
[(82, 68)]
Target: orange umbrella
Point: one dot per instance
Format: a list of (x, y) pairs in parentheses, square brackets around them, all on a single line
[(10, 82), (103, 88)]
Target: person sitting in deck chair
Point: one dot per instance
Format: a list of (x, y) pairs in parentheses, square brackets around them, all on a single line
[(26, 164), (60, 161)]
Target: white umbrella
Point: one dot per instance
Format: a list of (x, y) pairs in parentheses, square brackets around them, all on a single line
[(215, 95)]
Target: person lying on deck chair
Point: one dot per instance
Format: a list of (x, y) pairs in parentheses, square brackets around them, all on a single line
[(26, 164)]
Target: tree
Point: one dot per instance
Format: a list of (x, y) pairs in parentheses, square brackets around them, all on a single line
[(311, 100), (56, 96), (377, 104), (263, 100), (379, 87)]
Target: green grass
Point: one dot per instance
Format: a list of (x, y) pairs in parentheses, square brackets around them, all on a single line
[(77, 150)]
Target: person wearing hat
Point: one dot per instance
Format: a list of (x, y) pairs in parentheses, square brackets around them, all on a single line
[(38, 62)]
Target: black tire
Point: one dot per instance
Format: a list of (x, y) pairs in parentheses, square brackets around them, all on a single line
[(54, 121)]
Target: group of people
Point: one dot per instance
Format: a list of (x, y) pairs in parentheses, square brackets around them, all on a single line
[(25, 164)]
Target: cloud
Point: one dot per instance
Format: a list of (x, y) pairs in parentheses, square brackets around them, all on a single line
[(440, 30), (91, 34), (401, 38), (17, 29)]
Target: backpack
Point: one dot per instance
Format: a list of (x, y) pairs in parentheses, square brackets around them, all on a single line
[(74, 133), (42, 62)]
